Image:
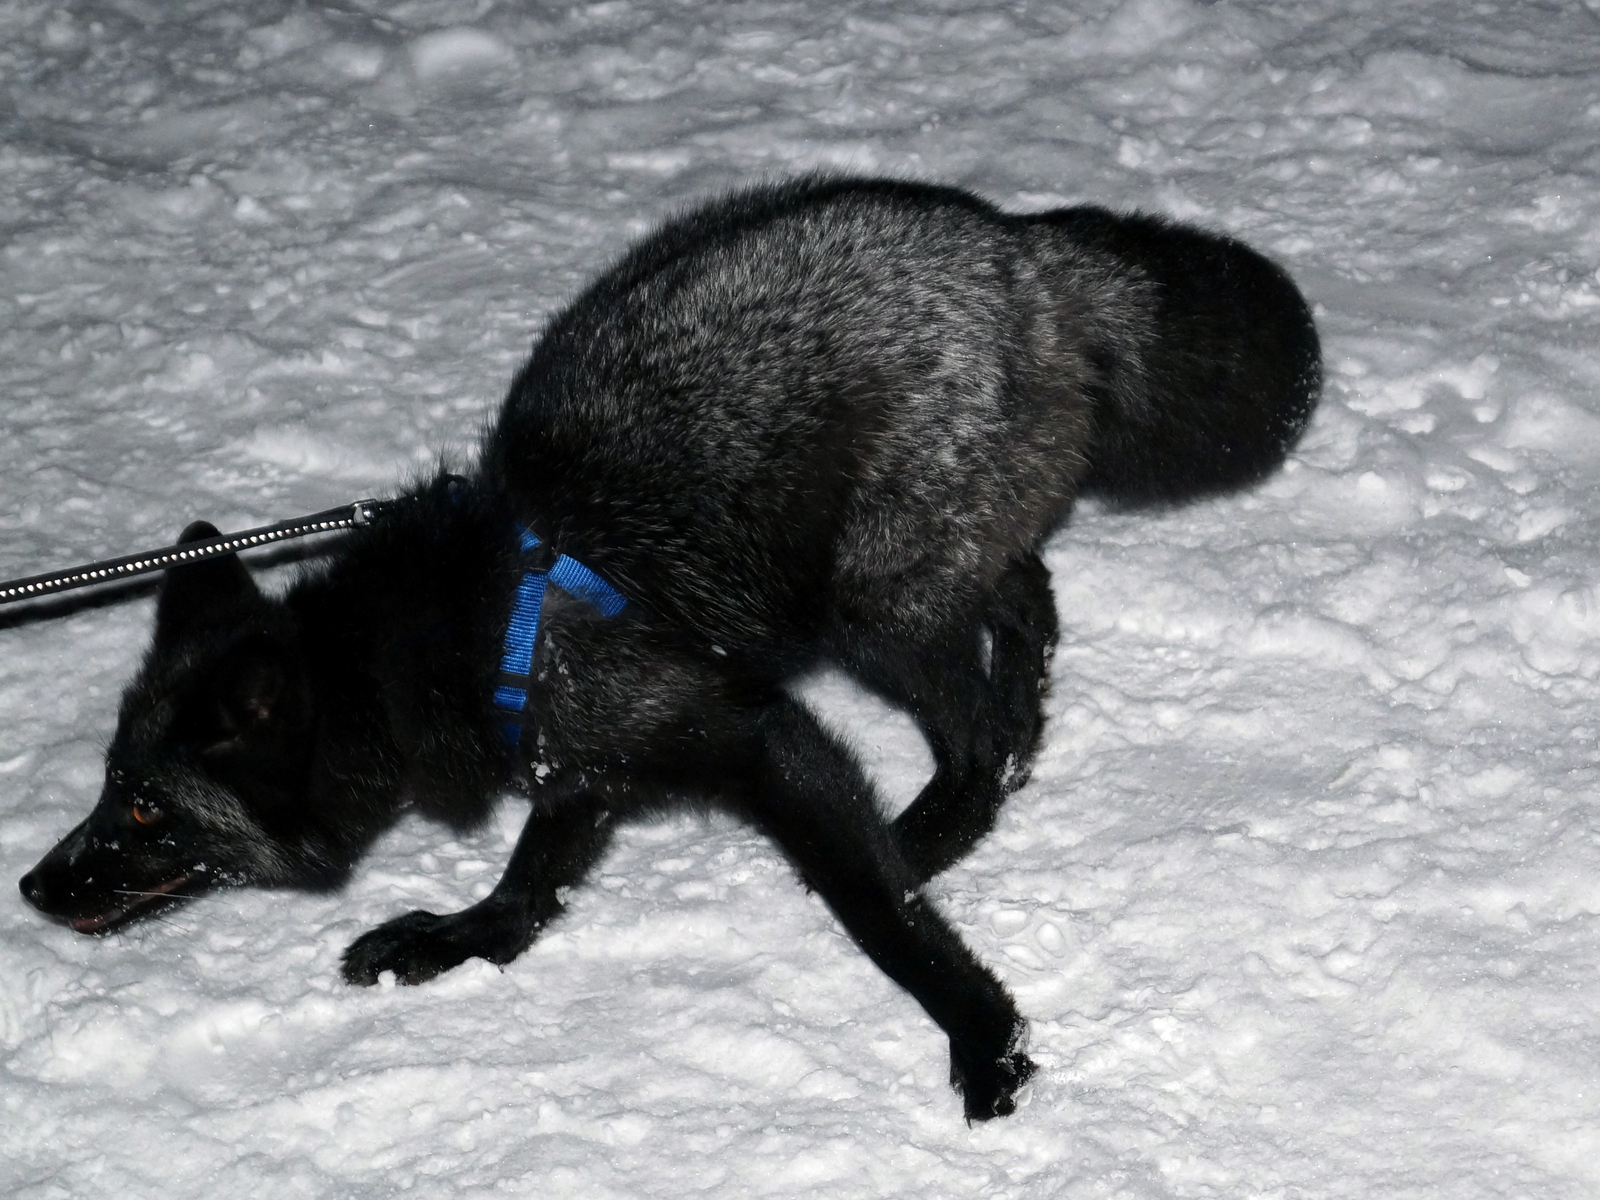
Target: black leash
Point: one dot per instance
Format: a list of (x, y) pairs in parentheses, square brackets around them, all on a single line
[(345, 517)]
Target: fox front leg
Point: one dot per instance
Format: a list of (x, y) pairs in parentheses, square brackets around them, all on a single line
[(556, 850)]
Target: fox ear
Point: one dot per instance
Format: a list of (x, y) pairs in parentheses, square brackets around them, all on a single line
[(254, 700), (256, 692), (192, 592)]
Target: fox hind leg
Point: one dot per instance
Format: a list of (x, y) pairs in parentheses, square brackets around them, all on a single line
[(1022, 623), (982, 714)]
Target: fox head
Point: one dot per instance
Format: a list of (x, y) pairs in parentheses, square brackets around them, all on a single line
[(209, 767)]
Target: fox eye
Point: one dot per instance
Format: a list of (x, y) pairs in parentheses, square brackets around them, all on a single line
[(145, 814)]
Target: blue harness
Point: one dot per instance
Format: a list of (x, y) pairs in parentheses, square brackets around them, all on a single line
[(516, 665)]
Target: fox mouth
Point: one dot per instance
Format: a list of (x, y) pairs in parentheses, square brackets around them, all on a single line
[(137, 904)]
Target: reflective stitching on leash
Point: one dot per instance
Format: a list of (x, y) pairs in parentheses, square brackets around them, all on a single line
[(347, 516)]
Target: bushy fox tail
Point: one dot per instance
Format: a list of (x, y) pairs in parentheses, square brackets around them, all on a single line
[(1213, 371)]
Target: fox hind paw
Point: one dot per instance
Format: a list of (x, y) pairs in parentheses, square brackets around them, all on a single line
[(988, 1083)]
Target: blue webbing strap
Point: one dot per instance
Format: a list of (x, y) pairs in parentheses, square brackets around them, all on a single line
[(522, 632), (572, 577)]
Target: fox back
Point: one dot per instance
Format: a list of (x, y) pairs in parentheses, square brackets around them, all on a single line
[(779, 402)]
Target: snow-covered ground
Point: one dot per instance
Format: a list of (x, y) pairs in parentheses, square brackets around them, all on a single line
[(1304, 896)]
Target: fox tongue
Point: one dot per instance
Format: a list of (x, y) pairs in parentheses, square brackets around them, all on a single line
[(137, 900)]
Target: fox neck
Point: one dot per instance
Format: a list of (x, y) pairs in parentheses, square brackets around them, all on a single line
[(401, 632)]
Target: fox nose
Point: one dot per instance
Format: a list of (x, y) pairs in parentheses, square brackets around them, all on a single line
[(33, 889)]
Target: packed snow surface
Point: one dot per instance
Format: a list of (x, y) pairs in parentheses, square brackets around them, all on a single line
[(1303, 898)]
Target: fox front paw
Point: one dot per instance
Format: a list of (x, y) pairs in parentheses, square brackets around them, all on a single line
[(416, 947)]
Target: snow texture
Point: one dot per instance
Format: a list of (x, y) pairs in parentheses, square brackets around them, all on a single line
[(1304, 895)]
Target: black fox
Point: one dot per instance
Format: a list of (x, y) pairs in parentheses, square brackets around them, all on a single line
[(828, 421)]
